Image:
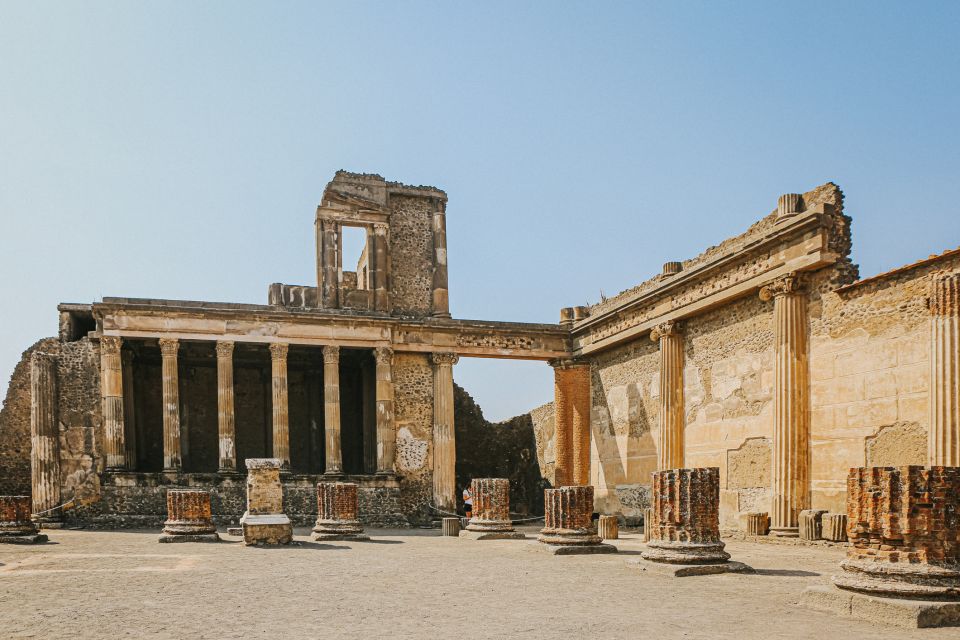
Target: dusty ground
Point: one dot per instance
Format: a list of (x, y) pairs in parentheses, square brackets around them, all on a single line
[(404, 584)]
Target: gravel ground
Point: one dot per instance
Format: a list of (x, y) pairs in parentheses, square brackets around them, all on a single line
[(403, 584)]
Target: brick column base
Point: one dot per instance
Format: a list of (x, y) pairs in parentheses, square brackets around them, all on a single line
[(188, 517), (16, 527), (337, 512)]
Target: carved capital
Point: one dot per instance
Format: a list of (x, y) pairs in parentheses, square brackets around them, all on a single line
[(383, 355), (380, 228), (169, 346), (224, 349), (669, 328), (110, 345), (944, 297), (441, 358), (790, 284), (278, 350), (331, 354)]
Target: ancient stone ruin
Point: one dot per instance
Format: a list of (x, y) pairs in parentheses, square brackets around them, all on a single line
[(16, 527), (337, 512), (568, 527), (264, 521), (188, 517), (491, 511)]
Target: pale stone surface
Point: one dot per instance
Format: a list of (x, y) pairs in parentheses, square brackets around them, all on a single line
[(264, 521), (898, 612)]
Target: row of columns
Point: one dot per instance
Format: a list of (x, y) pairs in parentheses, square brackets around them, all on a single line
[(117, 449)]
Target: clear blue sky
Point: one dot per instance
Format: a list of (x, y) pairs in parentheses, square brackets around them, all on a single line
[(179, 150)]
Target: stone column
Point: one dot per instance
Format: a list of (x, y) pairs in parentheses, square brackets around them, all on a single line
[(944, 447), (441, 302), (903, 529), (16, 527), (45, 438), (491, 510), (111, 391), (568, 524), (338, 511), (331, 409), (129, 409), (444, 444), (386, 430), (189, 517), (171, 404), (329, 281), (226, 427), (281, 415), (381, 268), (791, 422), (563, 422), (685, 523), (670, 449)]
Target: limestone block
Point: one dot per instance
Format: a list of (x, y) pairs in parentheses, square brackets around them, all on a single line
[(756, 524), (264, 521), (608, 528), (188, 517), (451, 527), (834, 526), (810, 524)]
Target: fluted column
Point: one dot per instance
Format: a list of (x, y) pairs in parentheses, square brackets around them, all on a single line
[(944, 440), (129, 409), (226, 427), (331, 409), (441, 301), (169, 348), (45, 438), (670, 449), (444, 443), (281, 415), (111, 392), (381, 244), (563, 423), (329, 281), (386, 430), (791, 422)]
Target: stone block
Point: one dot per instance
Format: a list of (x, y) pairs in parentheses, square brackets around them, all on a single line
[(266, 529), (688, 570), (756, 524), (834, 526), (264, 521), (450, 527), (899, 612), (608, 528), (810, 522)]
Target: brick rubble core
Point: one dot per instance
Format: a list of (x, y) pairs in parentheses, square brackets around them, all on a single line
[(188, 513), (568, 518), (337, 508), (15, 516), (904, 529), (685, 522), (491, 505)]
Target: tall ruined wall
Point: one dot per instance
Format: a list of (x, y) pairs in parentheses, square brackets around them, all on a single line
[(81, 422), (500, 450), (413, 415), (15, 426), (411, 255), (544, 432)]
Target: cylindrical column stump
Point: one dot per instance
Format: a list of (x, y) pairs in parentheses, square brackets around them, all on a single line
[(685, 527), (757, 524), (16, 527), (608, 528), (904, 530), (189, 517), (491, 510), (811, 524), (337, 512), (568, 525), (451, 527)]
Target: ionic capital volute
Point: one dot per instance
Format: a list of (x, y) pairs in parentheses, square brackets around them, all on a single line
[(444, 358), (169, 346), (331, 354), (668, 328), (789, 284)]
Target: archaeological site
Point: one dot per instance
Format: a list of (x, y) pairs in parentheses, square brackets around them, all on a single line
[(761, 392)]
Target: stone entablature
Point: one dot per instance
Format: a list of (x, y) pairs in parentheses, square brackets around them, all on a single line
[(772, 249)]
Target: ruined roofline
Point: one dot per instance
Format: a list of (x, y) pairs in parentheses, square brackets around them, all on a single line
[(827, 193), (373, 188), (923, 262)]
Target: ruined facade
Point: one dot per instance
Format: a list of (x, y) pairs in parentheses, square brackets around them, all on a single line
[(764, 357)]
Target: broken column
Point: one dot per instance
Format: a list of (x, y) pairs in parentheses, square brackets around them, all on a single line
[(189, 517), (45, 440), (491, 511), (811, 524), (904, 529), (16, 527), (264, 521), (791, 424), (756, 524), (568, 525), (834, 527), (337, 512), (944, 441), (439, 294), (608, 528), (685, 527)]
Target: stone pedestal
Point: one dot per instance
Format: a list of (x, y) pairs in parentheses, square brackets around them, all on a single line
[(450, 527), (834, 527), (568, 527), (16, 527), (685, 528), (337, 510), (811, 524), (264, 521), (188, 517), (491, 511), (608, 528), (904, 528), (756, 524)]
